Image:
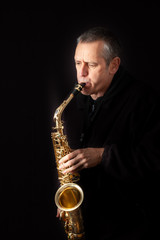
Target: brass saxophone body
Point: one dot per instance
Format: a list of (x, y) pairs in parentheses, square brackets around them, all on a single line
[(69, 196)]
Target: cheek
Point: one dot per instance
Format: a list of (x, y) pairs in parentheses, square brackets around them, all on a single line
[(95, 77), (99, 79), (78, 75)]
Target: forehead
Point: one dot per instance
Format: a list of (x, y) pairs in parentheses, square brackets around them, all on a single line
[(89, 51)]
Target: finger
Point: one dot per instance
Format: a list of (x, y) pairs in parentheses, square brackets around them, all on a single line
[(64, 159), (74, 168), (69, 163), (67, 157), (58, 213), (75, 158)]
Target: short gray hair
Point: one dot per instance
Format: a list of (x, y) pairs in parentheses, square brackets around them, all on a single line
[(112, 46)]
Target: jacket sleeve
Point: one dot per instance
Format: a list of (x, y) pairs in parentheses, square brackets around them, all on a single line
[(138, 156)]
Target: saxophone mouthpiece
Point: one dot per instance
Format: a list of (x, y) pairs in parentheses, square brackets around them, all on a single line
[(82, 84), (78, 88)]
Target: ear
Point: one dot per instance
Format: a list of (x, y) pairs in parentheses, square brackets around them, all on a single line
[(114, 65)]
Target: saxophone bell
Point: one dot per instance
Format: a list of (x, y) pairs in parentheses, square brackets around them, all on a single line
[(68, 199)]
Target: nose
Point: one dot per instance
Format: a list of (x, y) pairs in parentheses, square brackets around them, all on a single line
[(83, 70)]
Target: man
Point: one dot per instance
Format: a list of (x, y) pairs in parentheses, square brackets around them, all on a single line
[(114, 128)]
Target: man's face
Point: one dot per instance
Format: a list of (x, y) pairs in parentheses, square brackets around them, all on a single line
[(92, 69)]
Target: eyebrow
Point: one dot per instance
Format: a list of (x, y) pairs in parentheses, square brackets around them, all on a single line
[(77, 60)]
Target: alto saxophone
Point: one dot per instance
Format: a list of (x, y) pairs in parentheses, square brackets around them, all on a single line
[(69, 196)]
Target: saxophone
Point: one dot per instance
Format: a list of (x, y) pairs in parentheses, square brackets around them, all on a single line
[(69, 196)]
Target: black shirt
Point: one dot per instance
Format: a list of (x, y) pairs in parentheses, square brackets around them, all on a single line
[(120, 194)]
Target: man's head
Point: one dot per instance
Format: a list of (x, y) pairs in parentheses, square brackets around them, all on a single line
[(97, 59)]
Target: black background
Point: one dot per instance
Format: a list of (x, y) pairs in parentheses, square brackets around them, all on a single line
[(37, 72)]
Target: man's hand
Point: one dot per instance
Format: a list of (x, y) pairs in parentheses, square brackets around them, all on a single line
[(81, 158), (58, 213)]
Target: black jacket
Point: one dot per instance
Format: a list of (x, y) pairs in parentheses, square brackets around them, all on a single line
[(121, 195)]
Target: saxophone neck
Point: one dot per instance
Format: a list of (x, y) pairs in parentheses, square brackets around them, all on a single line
[(59, 111)]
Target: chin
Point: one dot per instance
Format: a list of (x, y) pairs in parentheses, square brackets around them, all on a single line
[(84, 92)]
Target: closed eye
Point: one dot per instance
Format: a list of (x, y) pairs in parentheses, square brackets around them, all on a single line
[(78, 63), (92, 65)]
